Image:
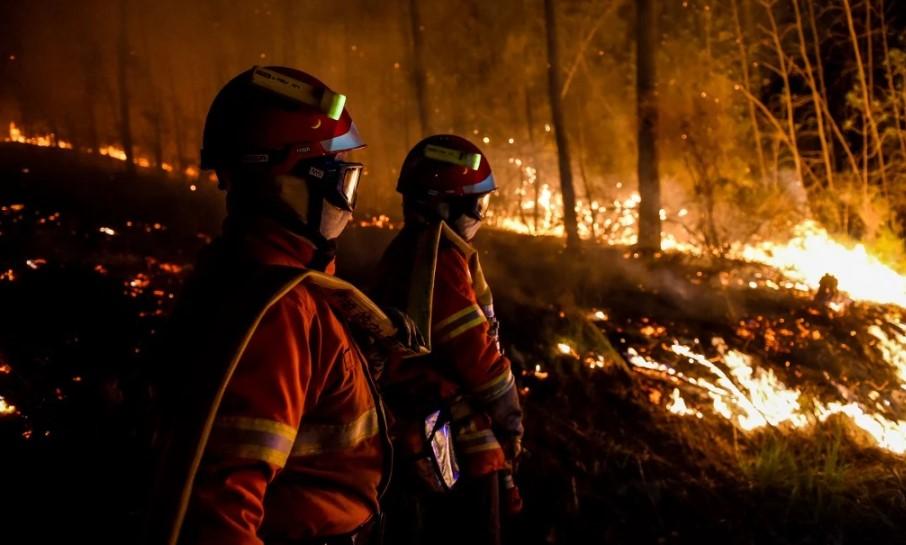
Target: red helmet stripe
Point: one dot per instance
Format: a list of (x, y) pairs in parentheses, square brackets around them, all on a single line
[(485, 186)]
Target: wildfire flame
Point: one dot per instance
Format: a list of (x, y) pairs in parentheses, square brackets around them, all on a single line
[(803, 258), (50, 140), (753, 398)]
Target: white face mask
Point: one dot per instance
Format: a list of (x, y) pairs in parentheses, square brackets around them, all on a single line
[(467, 227), (294, 192), (333, 220)]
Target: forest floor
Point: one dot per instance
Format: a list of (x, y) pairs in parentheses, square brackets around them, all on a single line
[(91, 260)]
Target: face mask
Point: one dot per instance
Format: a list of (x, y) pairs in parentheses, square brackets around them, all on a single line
[(333, 220), (466, 226), (295, 192)]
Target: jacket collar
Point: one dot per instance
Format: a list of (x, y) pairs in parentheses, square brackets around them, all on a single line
[(265, 241)]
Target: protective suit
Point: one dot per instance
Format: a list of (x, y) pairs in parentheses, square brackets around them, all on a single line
[(277, 436)]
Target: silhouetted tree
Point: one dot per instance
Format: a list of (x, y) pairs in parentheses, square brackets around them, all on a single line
[(554, 86), (649, 184), (122, 73)]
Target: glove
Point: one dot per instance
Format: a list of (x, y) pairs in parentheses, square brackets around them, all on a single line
[(512, 448), (407, 333)]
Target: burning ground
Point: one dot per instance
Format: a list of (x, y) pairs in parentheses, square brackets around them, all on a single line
[(670, 399)]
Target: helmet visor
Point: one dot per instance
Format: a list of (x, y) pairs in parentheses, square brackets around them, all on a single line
[(348, 182)]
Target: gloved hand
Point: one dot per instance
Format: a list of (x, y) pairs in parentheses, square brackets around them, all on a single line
[(407, 333), (494, 332), (512, 448)]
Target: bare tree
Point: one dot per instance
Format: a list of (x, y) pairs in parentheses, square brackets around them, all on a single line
[(419, 77), (816, 96), (554, 87), (122, 65), (646, 96), (865, 89), (747, 82), (783, 70)]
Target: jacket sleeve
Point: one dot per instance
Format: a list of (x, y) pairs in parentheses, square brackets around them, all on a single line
[(253, 433), (460, 335)]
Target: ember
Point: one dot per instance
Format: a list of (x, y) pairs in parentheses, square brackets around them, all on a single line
[(6, 408)]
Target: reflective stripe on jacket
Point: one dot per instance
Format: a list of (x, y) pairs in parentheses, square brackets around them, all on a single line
[(435, 276), (297, 446)]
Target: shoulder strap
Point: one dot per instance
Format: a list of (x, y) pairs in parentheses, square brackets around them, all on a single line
[(420, 299)]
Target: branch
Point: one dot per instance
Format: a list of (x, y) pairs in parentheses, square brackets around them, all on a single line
[(584, 46)]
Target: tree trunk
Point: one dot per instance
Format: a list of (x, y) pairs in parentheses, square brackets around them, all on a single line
[(530, 126), (747, 81), (554, 86), (419, 78), (122, 66), (789, 106), (646, 97), (866, 98), (816, 97), (890, 78)]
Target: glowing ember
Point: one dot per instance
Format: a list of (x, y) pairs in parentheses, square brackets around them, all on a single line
[(380, 221), (113, 152), (171, 268), (539, 374), (678, 406), (893, 346), (107, 231), (6, 408), (566, 350)]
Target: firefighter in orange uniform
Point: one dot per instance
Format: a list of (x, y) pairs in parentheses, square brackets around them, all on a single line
[(274, 432), (432, 272)]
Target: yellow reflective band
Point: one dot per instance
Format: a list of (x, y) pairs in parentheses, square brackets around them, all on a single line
[(252, 438), (476, 321), (482, 435), (319, 438), (455, 316), (495, 387), (447, 155), (477, 441), (255, 452), (257, 424), (329, 102)]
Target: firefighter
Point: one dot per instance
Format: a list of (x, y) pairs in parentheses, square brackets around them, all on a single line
[(273, 432), (432, 271)]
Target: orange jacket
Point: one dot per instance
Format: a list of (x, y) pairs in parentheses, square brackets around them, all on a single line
[(465, 359), (297, 448)]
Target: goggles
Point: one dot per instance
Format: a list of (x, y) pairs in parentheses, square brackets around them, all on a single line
[(477, 206), (339, 179)]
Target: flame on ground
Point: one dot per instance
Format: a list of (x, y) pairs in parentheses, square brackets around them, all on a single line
[(752, 398), (812, 252), (804, 258), (50, 140)]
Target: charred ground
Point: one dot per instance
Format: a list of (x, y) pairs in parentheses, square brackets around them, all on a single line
[(96, 259)]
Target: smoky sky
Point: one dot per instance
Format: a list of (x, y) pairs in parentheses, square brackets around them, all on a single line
[(65, 67)]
